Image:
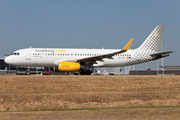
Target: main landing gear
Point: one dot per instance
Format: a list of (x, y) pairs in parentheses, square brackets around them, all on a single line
[(87, 72)]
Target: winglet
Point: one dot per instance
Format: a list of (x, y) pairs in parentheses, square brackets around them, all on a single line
[(128, 45)]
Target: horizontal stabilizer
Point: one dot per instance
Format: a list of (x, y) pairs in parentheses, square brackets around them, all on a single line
[(161, 54)]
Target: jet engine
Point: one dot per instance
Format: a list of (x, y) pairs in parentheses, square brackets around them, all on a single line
[(68, 67)]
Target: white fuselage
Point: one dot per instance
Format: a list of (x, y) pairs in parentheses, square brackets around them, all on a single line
[(50, 57)]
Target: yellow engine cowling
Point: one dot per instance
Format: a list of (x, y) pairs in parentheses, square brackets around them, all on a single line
[(67, 67)]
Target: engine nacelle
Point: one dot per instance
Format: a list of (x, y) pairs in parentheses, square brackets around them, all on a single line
[(68, 67)]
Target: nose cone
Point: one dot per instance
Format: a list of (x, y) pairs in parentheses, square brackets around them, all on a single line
[(7, 60)]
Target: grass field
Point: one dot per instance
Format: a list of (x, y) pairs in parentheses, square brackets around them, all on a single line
[(90, 97)]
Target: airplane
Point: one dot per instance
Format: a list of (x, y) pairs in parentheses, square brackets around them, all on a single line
[(83, 60)]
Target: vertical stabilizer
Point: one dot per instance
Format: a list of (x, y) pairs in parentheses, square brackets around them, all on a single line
[(150, 46), (154, 40)]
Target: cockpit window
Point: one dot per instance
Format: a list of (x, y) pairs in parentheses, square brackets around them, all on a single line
[(16, 54)]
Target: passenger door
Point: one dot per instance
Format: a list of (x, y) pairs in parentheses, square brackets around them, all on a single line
[(28, 54)]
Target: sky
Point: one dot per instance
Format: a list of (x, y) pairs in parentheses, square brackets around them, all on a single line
[(88, 24)]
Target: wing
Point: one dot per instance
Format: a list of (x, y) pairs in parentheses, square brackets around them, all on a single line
[(109, 56)]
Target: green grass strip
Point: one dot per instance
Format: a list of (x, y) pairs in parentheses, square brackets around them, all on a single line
[(75, 109)]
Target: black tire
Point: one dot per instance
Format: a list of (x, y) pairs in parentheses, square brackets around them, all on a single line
[(88, 72), (82, 72)]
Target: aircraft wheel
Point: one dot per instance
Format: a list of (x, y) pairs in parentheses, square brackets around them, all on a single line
[(82, 72), (88, 72)]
